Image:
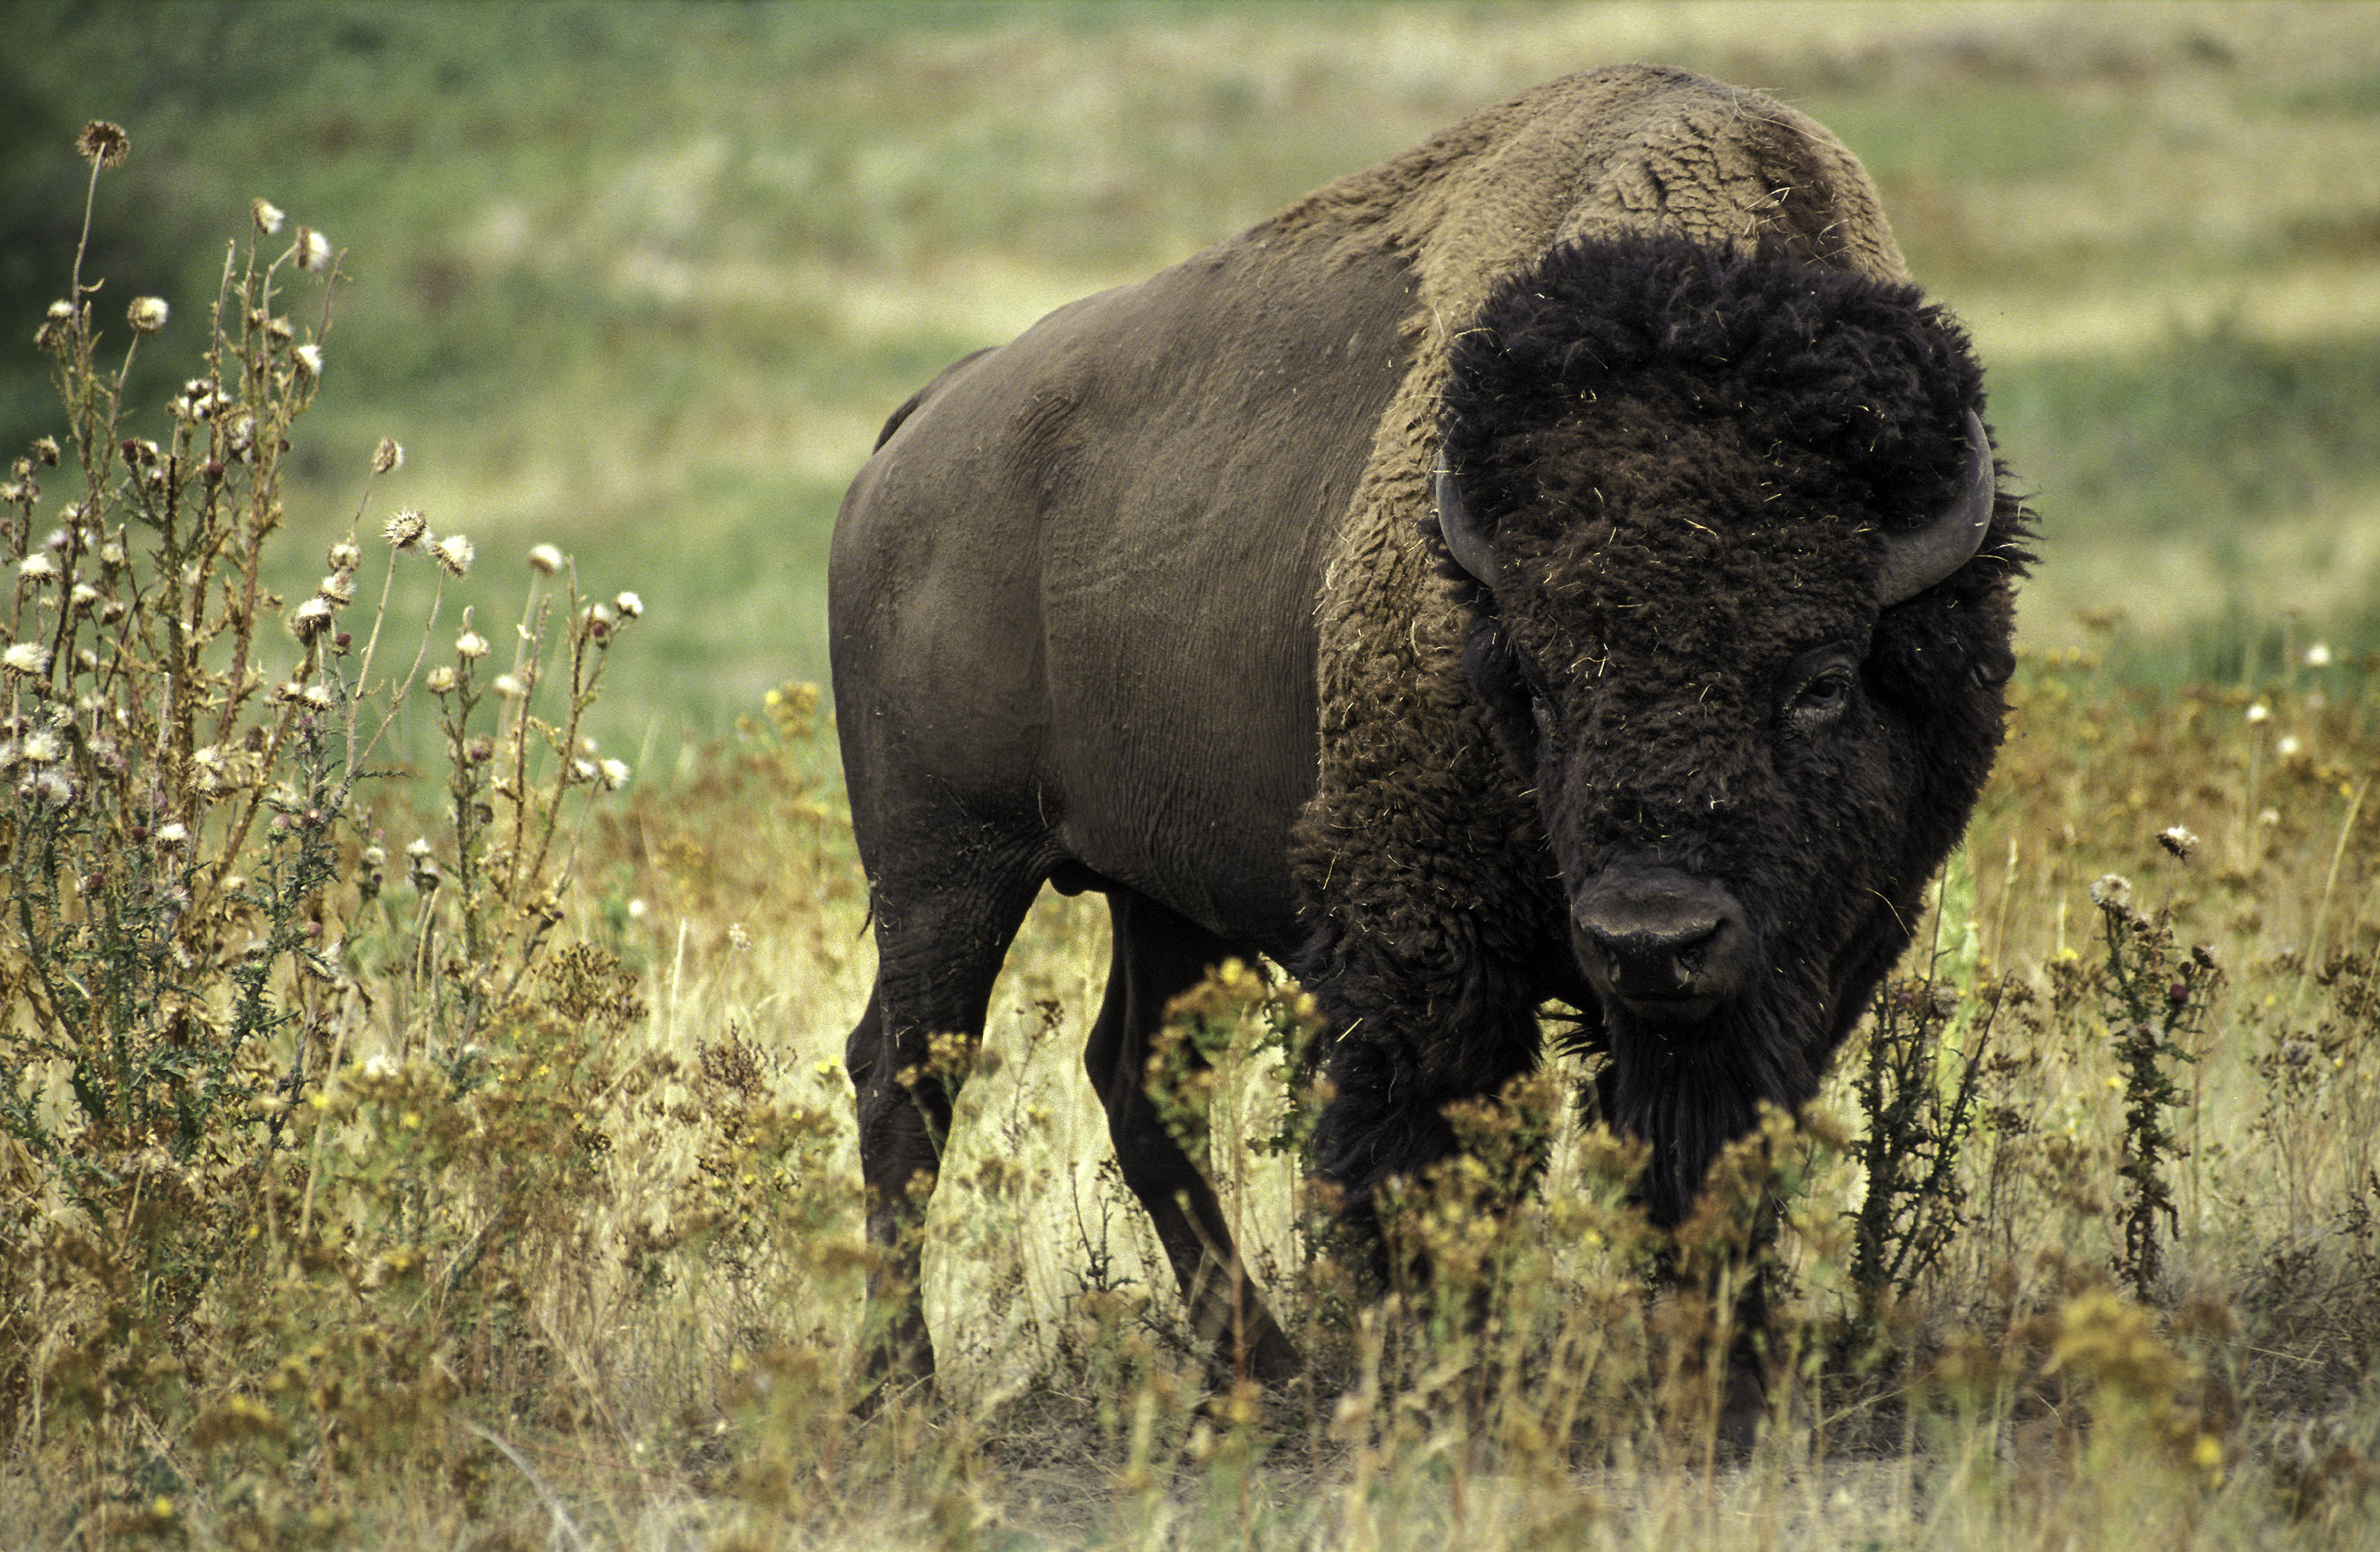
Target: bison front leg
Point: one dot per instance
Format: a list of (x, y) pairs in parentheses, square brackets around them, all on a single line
[(1395, 1079), (1433, 914)]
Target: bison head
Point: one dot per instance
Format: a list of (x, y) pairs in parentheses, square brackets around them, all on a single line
[(1740, 581)]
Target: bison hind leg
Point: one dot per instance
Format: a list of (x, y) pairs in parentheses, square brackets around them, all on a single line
[(941, 934), (1157, 955)]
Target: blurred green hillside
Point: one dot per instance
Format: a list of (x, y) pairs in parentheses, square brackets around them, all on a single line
[(642, 280)]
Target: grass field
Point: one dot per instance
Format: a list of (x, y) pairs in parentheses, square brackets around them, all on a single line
[(443, 1235), (646, 280)]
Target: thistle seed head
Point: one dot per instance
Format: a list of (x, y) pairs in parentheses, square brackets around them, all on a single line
[(407, 528), (312, 251), (103, 144), (47, 786), (2112, 893), (311, 618)]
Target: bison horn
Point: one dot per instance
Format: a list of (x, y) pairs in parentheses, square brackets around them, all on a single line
[(1463, 540), (1915, 562)]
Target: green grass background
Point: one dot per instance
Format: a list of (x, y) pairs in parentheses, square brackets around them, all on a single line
[(642, 280)]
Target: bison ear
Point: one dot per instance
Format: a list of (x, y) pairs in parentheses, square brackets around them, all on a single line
[(1463, 540), (1915, 562)]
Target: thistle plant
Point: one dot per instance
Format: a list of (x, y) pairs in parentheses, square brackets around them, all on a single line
[(512, 776), (172, 793), (199, 943), (1917, 1093), (2154, 998)]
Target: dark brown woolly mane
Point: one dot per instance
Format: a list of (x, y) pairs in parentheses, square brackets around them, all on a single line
[(1622, 394), (1626, 345), (1821, 364)]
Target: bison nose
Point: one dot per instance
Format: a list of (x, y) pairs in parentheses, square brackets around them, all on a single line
[(1668, 946)]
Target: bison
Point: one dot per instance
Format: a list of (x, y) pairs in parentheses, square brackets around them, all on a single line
[(1564, 561)]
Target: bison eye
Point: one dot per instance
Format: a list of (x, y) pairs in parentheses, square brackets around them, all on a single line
[(1821, 698)]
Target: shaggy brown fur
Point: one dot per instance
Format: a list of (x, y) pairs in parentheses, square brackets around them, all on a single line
[(1688, 459), (1633, 150)]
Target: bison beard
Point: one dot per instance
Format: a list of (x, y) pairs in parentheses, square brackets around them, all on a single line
[(1668, 709)]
